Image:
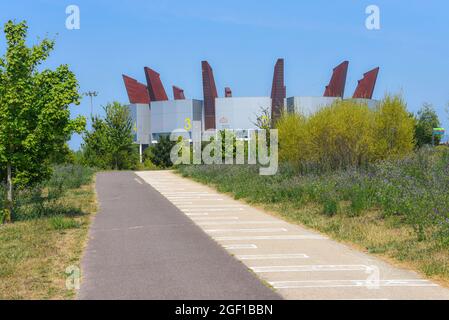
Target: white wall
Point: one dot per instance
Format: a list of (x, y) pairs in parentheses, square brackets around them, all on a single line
[(369, 102), (141, 118), (308, 105), (239, 112), (167, 116)]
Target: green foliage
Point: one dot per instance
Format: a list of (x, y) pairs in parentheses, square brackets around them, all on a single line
[(330, 206), (34, 107), (159, 153), (62, 223), (394, 129), (109, 145), (293, 139), (35, 119), (426, 120), (41, 200), (95, 147), (346, 134), (412, 189)]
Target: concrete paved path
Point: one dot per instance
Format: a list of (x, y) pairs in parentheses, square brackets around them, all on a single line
[(143, 247), (298, 263)]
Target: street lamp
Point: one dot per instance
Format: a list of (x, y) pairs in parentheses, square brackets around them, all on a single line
[(91, 94)]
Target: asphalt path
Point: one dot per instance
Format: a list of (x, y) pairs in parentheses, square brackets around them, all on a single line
[(141, 246)]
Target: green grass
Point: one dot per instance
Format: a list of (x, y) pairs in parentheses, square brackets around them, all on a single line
[(49, 236), (62, 223), (396, 209)]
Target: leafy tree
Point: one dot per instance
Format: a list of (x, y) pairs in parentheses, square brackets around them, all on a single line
[(110, 143), (120, 134), (34, 111), (95, 149), (159, 154), (426, 120)]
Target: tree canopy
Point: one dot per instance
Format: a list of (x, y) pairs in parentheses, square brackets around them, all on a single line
[(34, 109), (426, 120), (109, 145)]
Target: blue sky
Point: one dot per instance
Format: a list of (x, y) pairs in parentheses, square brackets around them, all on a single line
[(242, 40)]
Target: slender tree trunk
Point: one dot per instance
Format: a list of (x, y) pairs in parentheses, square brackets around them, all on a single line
[(9, 195)]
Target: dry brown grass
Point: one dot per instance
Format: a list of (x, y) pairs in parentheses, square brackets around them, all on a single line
[(388, 239), (34, 254)]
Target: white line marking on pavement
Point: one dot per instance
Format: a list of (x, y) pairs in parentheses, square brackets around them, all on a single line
[(213, 206), (247, 230), (273, 256), (287, 237), (310, 268), (195, 193), (137, 180), (240, 222), (208, 209), (217, 218), (240, 246), (196, 198), (197, 214), (136, 227), (349, 283)]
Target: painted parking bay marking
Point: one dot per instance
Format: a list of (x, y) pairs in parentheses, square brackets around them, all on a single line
[(272, 256), (247, 230), (349, 283), (241, 222), (310, 268), (216, 218), (287, 237), (240, 246)]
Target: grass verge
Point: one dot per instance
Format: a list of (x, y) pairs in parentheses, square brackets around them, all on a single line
[(35, 252), (346, 208)]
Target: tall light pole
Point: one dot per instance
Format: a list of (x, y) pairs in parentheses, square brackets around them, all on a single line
[(91, 94)]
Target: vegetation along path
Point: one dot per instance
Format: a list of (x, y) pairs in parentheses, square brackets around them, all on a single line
[(143, 247), (297, 263)]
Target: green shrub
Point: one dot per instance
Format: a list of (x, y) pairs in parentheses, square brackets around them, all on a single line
[(359, 201), (159, 153), (62, 223), (394, 129), (330, 206), (426, 120), (346, 134), (412, 190), (42, 200), (293, 139)]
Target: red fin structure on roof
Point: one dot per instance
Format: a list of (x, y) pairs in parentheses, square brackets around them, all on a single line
[(178, 93), (209, 95), (137, 92), (228, 92), (278, 90), (336, 87), (365, 88), (155, 86)]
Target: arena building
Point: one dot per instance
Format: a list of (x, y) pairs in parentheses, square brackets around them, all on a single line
[(154, 114)]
